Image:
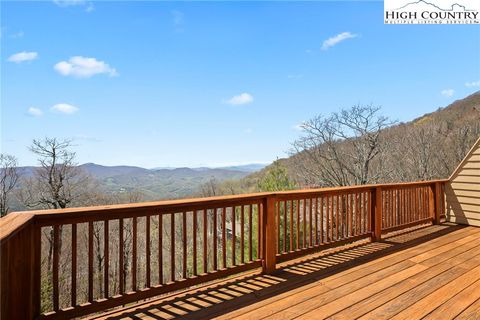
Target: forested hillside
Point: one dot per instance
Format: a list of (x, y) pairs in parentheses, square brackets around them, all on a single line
[(428, 147)]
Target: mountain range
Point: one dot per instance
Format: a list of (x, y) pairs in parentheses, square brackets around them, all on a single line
[(158, 183)]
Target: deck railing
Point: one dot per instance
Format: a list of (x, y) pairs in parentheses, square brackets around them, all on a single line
[(72, 262)]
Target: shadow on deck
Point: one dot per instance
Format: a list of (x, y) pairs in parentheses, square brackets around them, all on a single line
[(238, 296)]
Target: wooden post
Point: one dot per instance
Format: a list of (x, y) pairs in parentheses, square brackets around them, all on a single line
[(376, 214), (20, 277), (432, 203), (437, 192), (268, 235)]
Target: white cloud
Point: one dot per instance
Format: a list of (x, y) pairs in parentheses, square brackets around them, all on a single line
[(83, 67), (330, 42), (64, 108), (472, 84), (243, 98), (23, 56), (447, 92), (35, 112)]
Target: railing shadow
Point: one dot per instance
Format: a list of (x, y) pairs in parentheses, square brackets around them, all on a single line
[(218, 299)]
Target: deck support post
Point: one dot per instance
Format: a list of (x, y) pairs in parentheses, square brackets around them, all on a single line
[(20, 277), (376, 214), (435, 202), (268, 235)]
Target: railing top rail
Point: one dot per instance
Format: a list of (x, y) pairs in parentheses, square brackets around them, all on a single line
[(15, 221)]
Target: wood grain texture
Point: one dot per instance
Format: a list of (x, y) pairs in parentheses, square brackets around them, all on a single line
[(433, 274)]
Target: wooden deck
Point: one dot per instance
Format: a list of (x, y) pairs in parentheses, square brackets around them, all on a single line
[(431, 272)]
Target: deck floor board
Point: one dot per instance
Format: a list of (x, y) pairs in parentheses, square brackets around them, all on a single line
[(430, 272)]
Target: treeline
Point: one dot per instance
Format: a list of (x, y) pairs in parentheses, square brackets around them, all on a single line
[(360, 145)]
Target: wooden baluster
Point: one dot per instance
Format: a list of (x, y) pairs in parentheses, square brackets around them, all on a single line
[(74, 266), (172, 246), (369, 209), (327, 219), (422, 197), (284, 240), (242, 234), (234, 237), (425, 202), (184, 234), (340, 209), (304, 243), (224, 237), (407, 208), (134, 254), (215, 267), (160, 249), (401, 206), (250, 240), (120, 257), (56, 243), (291, 225), (420, 202), (350, 214), (411, 205), (277, 225), (364, 212), (416, 203), (321, 220), (106, 262), (298, 225), (310, 221), (337, 220), (387, 209), (316, 222), (90, 261), (147, 250), (357, 214), (259, 232), (195, 262), (205, 241), (394, 208)]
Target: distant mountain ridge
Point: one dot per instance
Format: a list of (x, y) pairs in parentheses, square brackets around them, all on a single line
[(158, 183), (251, 167)]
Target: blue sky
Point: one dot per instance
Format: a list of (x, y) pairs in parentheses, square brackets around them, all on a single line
[(213, 83)]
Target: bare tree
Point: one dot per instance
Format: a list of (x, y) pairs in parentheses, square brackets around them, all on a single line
[(56, 184), (209, 188), (8, 180), (58, 181), (339, 149)]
